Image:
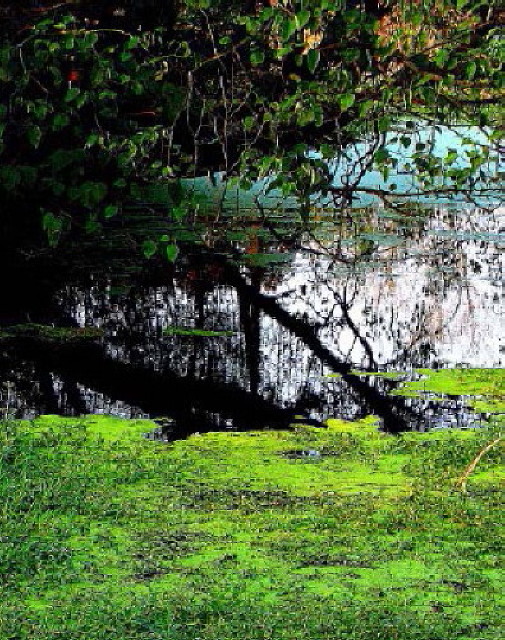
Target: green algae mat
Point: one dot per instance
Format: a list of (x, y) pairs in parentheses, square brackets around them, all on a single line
[(333, 533), (485, 388)]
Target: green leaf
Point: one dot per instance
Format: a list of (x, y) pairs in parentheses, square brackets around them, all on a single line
[(149, 248), (289, 27), (110, 211), (313, 57), (384, 123), (108, 94), (52, 226), (34, 135), (10, 177), (82, 99), (172, 251), (62, 158), (44, 23), (91, 225), (40, 110), (306, 116), (302, 17), (470, 69), (441, 57), (132, 42), (266, 13), (257, 57), (90, 193), (71, 94), (69, 42), (365, 107), (90, 39), (249, 123), (452, 155), (346, 100), (49, 220), (381, 155), (416, 18), (483, 119), (178, 212)]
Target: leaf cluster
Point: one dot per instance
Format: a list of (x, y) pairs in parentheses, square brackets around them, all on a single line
[(90, 113)]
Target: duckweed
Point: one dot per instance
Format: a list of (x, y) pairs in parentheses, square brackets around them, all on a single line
[(485, 388)]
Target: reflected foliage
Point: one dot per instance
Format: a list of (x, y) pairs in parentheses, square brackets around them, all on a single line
[(221, 341)]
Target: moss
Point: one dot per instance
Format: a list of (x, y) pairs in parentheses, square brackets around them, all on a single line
[(106, 427), (485, 388), (222, 536), (491, 479)]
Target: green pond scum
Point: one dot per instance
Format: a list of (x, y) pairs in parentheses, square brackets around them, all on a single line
[(196, 333), (308, 534), (485, 388), (48, 333)]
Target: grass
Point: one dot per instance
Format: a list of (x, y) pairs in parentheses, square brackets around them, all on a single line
[(312, 534)]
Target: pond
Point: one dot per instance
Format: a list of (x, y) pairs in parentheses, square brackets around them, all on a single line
[(267, 322)]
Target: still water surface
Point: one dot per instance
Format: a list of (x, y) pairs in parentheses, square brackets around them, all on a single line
[(294, 318)]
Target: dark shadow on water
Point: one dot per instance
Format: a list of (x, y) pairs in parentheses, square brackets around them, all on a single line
[(272, 371), (193, 405)]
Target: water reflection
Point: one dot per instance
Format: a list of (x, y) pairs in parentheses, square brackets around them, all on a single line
[(368, 293)]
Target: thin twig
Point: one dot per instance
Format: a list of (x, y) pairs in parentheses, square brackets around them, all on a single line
[(461, 481)]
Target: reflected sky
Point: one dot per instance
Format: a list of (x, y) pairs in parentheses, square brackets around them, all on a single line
[(371, 292)]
